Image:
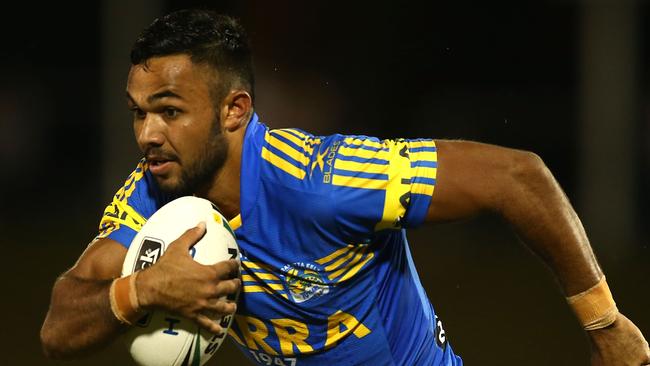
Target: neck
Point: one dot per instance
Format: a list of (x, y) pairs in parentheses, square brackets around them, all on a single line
[(224, 191)]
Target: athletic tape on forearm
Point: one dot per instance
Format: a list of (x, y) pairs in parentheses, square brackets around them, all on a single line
[(594, 307), (124, 299)]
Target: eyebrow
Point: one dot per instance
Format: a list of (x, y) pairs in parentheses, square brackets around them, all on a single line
[(157, 96)]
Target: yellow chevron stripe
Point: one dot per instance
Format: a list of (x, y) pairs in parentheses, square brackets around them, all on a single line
[(250, 264), (296, 155), (361, 167), (259, 276), (304, 141), (257, 289), (362, 153), (340, 180), (335, 254), (282, 164), (290, 136), (263, 289), (253, 265), (248, 278), (302, 135), (357, 268), (352, 263), (341, 260), (276, 286), (365, 142)]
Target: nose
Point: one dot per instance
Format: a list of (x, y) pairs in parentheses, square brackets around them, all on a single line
[(150, 132)]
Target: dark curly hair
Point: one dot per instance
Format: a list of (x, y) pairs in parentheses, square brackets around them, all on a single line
[(208, 38)]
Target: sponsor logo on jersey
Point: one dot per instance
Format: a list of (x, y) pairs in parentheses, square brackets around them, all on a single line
[(304, 281), (441, 336), (328, 166)]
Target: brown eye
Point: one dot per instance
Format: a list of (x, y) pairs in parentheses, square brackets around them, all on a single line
[(171, 112)]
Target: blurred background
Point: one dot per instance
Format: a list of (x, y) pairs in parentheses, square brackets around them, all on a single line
[(566, 79)]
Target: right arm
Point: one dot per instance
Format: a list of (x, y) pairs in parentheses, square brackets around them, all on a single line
[(80, 318), (80, 315)]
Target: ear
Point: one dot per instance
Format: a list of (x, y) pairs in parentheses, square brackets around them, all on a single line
[(236, 110)]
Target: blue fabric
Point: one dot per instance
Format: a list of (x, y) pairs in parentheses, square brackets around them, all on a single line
[(327, 275)]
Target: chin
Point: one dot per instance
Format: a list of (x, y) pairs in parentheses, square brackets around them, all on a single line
[(171, 186)]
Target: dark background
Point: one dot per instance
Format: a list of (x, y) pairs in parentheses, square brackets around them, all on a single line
[(565, 79)]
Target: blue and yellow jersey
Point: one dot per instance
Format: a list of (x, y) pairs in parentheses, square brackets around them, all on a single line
[(327, 275)]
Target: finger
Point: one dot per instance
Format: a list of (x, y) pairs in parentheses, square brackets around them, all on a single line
[(227, 269), (208, 324), (219, 308), (227, 287), (189, 237)]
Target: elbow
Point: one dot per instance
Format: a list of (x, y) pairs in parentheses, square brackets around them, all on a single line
[(48, 344), (51, 344), (528, 168), (528, 180)]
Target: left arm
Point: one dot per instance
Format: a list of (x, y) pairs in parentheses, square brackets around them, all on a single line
[(474, 178)]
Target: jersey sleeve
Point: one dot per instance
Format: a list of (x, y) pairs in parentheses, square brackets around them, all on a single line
[(368, 184), (384, 184), (131, 206)]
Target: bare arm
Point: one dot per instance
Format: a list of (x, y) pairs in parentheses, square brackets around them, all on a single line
[(80, 318), (517, 185), (475, 178)]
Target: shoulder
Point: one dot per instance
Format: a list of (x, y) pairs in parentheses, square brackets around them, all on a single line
[(133, 203), (288, 153)]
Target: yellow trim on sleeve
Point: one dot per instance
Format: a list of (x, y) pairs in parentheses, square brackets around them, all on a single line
[(399, 184), (419, 188), (424, 155), (425, 172), (424, 143)]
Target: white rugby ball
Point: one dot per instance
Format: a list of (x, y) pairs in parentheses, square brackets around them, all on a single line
[(166, 339)]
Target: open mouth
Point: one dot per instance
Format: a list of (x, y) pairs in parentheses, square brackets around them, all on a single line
[(159, 165), (156, 162)]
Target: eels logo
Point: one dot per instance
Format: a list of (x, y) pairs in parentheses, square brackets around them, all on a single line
[(303, 281)]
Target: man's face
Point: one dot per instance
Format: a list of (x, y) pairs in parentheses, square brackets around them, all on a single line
[(176, 123)]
